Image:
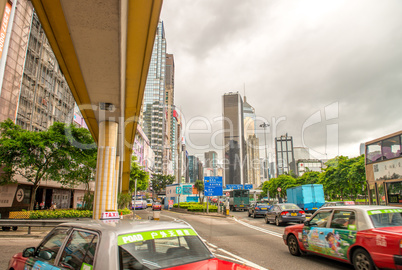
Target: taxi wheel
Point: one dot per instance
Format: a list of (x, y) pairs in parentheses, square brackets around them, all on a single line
[(293, 245), (362, 260)]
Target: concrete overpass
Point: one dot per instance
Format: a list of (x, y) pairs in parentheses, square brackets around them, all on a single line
[(104, 50)]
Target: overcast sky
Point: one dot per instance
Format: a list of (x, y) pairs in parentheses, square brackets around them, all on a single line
[(328, 73)]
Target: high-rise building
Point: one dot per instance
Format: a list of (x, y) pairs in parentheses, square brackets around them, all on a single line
[(285, 161), (253, 161), (170, 159), (154, 113), (252, 145), (211, 159), (234, 143), (249, 119), (45, 96), (13, 47)]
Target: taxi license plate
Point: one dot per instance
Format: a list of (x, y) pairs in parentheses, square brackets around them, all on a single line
[(263, 208), (241, 205), (294, 214), (315, 208)]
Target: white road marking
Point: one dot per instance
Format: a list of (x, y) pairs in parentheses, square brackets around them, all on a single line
[(258, 228), (233, 257)]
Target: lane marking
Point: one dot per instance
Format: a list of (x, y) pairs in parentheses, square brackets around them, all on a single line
[(237, 258), (258, 228), (217, 249)]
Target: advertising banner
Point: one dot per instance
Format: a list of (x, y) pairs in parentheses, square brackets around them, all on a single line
[(4, 25)]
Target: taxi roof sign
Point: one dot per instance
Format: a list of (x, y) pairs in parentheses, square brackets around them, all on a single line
[(110, 215)]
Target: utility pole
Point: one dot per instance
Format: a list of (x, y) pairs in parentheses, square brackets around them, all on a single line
[(265, 125)]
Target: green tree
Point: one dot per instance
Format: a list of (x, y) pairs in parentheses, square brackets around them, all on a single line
[(199, 186), (357, 177), (283, 181), (160, 181), (83, 163), (308, 177), (36, 156), (136, 172)]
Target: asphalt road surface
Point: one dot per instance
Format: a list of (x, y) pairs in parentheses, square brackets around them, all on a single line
[(238, 238)]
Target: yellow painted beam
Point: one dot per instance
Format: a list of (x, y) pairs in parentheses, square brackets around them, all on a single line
[(143, 18), (51, 16)]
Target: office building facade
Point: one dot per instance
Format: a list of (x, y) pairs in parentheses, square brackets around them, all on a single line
[(285, 162), (154, 114), (235, 154)]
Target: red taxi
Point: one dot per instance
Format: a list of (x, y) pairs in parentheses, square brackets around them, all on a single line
[(157, 206), (368, 236)]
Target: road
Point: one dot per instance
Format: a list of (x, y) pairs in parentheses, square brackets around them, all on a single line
[(238, 238)]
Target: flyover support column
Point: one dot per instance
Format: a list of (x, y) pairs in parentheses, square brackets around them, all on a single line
[(106, 182)]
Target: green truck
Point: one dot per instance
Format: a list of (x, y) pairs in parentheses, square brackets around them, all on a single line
[(239, 199)]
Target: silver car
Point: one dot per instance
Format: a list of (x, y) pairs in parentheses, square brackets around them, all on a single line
[(118, 244)]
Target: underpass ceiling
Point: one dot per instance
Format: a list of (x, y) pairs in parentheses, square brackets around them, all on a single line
[(104, 49)]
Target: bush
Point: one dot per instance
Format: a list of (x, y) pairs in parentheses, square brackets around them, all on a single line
[(70, 213)]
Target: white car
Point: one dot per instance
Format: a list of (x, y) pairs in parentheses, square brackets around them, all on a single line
[(121, 244)]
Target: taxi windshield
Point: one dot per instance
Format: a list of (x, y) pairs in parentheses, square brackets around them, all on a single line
[(161, 249), (386, 217)]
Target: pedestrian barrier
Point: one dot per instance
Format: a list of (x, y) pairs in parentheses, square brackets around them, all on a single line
[(8, 223)]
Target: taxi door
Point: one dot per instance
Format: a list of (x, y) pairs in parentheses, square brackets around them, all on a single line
[(313, 235), (342, 234)]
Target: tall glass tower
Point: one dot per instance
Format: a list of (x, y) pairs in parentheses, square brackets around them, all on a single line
[(234, 143), (154, 98)]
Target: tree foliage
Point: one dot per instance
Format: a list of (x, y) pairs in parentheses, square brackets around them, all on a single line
[(199, 185), (160, 181), (136, 172), (45, 155), (342, 178)]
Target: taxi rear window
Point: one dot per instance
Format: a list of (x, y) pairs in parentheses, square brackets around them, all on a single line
[(386, 217), (161, 249)]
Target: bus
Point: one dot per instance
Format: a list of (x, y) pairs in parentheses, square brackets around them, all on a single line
[(383, 160), (239, 199)]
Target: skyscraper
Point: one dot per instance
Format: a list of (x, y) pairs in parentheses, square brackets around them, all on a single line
[(234, 143), (211, 159), (284, 155), (252, 145), (154, 113)]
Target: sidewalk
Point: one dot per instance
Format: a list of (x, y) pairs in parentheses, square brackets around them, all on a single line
[(36, 232)]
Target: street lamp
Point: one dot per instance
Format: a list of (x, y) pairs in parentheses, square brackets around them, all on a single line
[(265, 125)]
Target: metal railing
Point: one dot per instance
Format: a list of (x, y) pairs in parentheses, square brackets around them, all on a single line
[(33, 223)]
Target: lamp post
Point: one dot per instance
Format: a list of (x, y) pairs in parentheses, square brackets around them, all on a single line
[(265, 125)]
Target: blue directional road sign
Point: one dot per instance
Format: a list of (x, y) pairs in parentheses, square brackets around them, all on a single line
[(248, 186), (213, 186), (234, 186)]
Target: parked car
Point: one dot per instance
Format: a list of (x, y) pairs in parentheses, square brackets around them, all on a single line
[(340, 203), (121, 244), (258, 209), (285, 212), (367, 236), (156, 206)]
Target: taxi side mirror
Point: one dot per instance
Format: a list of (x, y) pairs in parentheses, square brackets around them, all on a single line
[(46, 255), (307, 223), (28, 252)]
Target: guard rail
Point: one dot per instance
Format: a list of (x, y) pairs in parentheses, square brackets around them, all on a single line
[(15, 223)]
